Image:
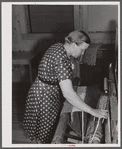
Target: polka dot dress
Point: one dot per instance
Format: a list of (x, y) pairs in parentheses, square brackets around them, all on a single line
[(43, 102)]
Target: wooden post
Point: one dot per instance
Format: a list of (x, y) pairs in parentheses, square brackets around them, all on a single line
[(81, 20), (82, 127), (60, 130), (76, 17), (107, 124), (113, 105), (85, 18), (18, 27)]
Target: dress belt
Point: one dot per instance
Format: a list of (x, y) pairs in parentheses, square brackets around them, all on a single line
[(48, 82)]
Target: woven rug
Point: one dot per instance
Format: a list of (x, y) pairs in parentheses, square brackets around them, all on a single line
[(90, 54), (90, 95)]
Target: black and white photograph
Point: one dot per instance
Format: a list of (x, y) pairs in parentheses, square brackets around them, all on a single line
[(61, 74)]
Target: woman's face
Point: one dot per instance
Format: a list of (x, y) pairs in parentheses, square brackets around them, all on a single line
[(79, 50)]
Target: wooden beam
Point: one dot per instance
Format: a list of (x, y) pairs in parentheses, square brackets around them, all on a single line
[(85, 18), (102, 37), (60, 130), (17, 28), (20, 11), (76, 17), (81, 16), (40, 36), (27, 19)]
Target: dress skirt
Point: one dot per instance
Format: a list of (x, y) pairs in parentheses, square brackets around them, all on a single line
[(42, 111)]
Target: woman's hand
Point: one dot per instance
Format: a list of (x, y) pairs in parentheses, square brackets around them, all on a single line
[(74, 99), (100, 113)]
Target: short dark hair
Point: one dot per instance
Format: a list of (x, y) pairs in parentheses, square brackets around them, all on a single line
[(87, 39), (77, 36)]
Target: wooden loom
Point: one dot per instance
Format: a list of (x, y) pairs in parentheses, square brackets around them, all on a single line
[(98, 130)]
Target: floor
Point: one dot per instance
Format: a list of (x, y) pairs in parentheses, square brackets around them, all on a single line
[(19, 93)]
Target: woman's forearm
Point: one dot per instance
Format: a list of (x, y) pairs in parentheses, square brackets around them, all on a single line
[(74, 99)]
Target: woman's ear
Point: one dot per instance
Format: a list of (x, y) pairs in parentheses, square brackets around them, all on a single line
[(74, 45)]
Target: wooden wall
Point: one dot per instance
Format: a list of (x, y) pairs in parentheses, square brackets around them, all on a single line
[(98, 21), (86, 17), (20, 26)]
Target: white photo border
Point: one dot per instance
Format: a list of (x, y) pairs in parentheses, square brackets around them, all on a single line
[(6, 10)]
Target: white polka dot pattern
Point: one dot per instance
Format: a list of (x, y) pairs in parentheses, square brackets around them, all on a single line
[(43, 102)]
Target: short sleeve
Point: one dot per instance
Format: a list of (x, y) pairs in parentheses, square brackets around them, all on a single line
[(63, 70)]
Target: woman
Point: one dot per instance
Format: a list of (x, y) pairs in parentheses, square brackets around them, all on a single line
[(43, 103)]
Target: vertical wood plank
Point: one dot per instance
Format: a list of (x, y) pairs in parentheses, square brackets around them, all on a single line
[(17, 40), (81, 17), (27, 18), (22, 18), (116, 40), (85, 18), (76, 17), (19, 27)]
